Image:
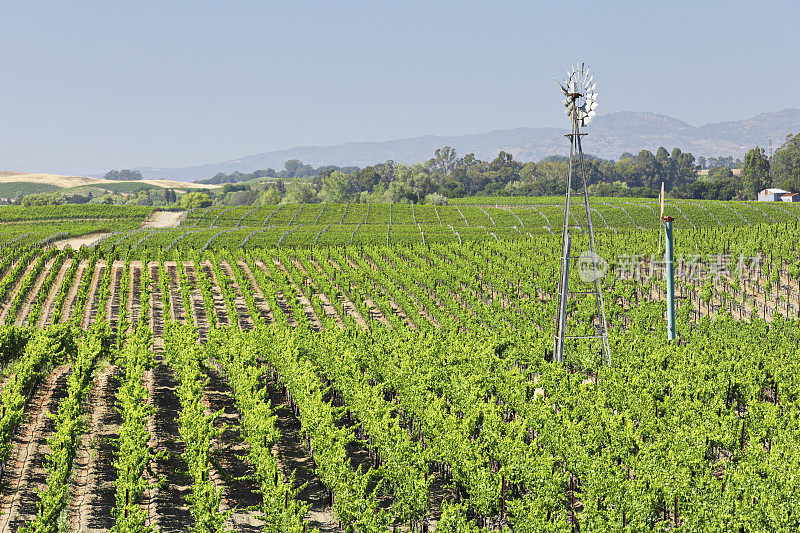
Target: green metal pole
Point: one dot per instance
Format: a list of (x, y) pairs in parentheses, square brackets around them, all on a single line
[(668, 259)]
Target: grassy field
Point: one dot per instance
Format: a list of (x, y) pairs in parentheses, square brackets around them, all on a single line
[(12, 189), (15, 182)]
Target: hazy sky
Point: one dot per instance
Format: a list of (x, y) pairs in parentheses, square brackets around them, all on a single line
[(93, 85)]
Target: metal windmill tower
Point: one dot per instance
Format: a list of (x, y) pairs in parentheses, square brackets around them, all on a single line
[(580, 101)]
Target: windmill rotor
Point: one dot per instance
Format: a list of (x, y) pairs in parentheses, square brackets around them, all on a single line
[(580, 95)]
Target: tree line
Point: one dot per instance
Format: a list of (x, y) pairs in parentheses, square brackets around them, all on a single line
[(123, 175), (450, 175)]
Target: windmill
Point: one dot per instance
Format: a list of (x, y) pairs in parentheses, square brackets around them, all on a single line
[(580, 101)]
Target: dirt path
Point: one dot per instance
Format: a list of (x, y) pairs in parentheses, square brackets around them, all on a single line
[(258, 296), (135, 300), (305, 296), (293, 456), (327, 306), (25, 475), (375, 313), (244, 319), (168, 510), (397, 310), (156, 305), (329, 309), (198, 307), (47, 307), (92, 298), (229, 465), (72, 295), (311, 314), (283, 303), (219, 302), (156, 219), (112, 306), (25, 309), (347, 304), (393, 305), (9, 297), (88, 240), (164, 219), (93, 492), (176, 308)]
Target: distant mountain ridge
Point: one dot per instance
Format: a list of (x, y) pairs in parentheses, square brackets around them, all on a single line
[(610, 136)]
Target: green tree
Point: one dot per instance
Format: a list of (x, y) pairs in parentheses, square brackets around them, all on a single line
[(701, 162), (755, 173), (300, 193), (270, 197), (786, 164), (682, 168), (662, 156), (335, 188), (123, 175), (435, 198), (443, 163), (42, 199), (648, 170), (194, 200), (247, 197)]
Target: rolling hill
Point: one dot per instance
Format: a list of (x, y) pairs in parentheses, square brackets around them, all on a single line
[(611, 135), (14, 183)]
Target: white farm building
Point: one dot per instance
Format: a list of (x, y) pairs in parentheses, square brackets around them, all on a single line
[(778, 195)]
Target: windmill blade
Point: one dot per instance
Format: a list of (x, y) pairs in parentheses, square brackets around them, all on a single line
[(579, 80), (661, 198)]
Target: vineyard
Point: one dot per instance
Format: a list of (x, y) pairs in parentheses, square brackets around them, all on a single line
[(387, 368), (321, 225)]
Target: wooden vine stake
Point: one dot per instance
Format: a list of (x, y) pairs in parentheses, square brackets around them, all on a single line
[(675, 513), (503, 497)]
